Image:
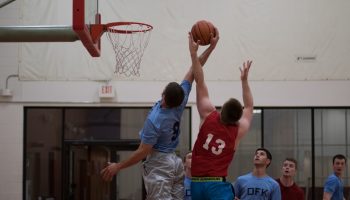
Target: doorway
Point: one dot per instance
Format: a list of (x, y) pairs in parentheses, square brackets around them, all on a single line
[(83, 163)]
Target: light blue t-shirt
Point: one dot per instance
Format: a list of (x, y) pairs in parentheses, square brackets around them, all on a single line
[(187, 186), (162, 126), (249, 187), (334, 186)]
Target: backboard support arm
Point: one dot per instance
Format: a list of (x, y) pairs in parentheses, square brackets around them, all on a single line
[(37, 34)]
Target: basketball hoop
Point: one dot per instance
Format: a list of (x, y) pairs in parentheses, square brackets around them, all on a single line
[(129, 41)]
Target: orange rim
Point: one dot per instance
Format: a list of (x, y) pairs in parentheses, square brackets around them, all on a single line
[(114, 27)]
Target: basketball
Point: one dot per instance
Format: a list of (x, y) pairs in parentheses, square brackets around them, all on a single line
[(201, 31)]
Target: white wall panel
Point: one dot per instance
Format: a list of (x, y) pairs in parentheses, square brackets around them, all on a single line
[(11, 151), (272, 33)]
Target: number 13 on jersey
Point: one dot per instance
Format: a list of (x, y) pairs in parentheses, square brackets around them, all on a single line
[(214, 150)]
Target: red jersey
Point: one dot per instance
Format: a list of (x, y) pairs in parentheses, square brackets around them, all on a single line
[(292, 192), (214, 148)]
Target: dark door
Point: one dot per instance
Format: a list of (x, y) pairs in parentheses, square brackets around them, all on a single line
[(83, 165)]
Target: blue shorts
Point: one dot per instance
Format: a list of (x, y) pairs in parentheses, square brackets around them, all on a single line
[(212, 190)]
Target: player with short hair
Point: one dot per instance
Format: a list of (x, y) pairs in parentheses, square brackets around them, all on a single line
[(334, 186), (257, 185), (163, 171), (289, 189), (219, 134)]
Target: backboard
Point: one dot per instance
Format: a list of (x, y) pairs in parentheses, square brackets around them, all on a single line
[(85, 14)]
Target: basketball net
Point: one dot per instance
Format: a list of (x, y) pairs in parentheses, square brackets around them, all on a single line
[(129, 41)]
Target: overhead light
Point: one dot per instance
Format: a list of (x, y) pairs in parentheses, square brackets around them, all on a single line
[(6, 92), (257, 111)]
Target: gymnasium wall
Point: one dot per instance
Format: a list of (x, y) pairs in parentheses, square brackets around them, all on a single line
[(288, 40), (273, 33)]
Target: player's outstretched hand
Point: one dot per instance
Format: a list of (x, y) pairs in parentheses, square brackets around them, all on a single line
[(245, 70), (214, 38), (193, 45), (108, 172)]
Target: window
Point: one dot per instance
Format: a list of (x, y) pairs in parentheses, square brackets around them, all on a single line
[(65, 149), (43, 153), (287, 133), (243, 160), (331, 138)]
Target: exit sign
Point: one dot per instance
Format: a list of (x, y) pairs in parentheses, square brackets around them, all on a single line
[(106, 91)]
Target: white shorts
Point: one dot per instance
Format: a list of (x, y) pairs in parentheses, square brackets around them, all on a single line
[(163, 175)]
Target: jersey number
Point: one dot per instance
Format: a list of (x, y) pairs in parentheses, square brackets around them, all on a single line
[(176, 131), (214, 150)]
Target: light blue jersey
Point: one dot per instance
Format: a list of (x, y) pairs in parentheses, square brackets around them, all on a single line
[(187, 186), (162, 126), (249, 187), (334, 186)]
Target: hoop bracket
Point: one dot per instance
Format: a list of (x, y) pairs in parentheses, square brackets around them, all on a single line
[(97, 31)]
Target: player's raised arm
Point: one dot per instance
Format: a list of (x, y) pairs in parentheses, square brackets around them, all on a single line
[(205, 55), (204, 106), (245, 121)]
